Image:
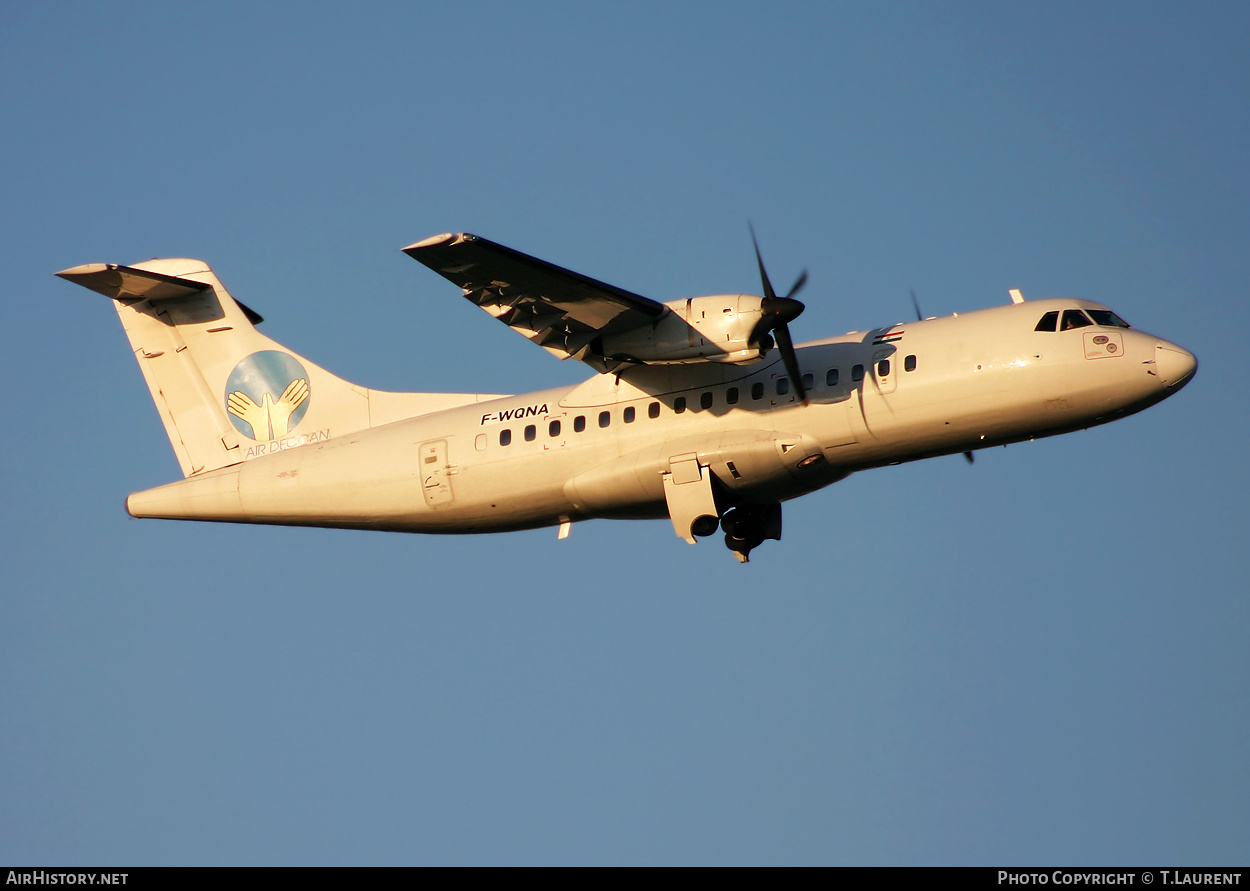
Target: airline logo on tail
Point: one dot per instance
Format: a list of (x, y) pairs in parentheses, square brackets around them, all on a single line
[(267, 395)]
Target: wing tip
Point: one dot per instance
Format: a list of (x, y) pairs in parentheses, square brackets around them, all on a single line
[(446, 238), (85, 269)]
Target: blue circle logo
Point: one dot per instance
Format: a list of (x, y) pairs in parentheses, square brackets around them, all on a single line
[(267, 395)]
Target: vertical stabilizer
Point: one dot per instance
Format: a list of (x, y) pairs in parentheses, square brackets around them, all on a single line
[(226, 392)]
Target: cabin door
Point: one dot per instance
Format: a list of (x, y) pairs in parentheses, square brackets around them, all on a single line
[(435, 474)]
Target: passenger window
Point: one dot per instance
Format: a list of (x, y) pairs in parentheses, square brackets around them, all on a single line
[(705, 401), (757, 390), (783, 386), (553, 429), (1047, 322), (679, 405), (1074, 318), (653, 410), (731, 396), (579, 423), (883, 368), (857, 373), (530, 432), (505, 437), (628, 417), (831, 377), (605, 418), (909, 364), (809, 381)]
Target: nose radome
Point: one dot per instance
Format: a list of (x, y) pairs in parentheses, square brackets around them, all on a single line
[(1175, 365)]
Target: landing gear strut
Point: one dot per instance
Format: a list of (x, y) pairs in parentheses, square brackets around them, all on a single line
[(747, 526)]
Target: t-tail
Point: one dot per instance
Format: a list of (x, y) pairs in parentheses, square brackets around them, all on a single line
[(226, 392)]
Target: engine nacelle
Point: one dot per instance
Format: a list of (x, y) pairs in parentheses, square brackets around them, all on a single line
[(719, 328)]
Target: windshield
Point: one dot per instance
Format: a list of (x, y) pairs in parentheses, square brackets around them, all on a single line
[(1108, 319), (1074, 318)]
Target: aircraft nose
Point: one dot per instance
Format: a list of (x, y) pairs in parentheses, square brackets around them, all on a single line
[(1175, 366)]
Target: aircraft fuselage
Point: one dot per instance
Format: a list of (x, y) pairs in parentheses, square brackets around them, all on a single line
[(624, 445)]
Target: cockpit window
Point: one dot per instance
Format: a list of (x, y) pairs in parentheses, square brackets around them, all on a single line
[(1108, 319), (1074, 318), (1048, 321)]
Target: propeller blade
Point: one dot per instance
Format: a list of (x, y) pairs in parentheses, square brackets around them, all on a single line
[(968, 457), (798, 285), (769, 293), (791, 360), (916, 305)]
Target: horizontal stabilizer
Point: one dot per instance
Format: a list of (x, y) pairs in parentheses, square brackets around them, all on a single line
[(127, 282)]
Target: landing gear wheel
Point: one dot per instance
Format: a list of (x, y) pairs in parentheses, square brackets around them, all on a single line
[(747, 526), (741, 549), (704, 526)]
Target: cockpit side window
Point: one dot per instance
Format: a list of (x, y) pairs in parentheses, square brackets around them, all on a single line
[(1074, 318), (1048, 321), (1108, 319)]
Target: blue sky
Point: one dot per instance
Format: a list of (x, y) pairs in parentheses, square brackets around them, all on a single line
[(1038, 659)]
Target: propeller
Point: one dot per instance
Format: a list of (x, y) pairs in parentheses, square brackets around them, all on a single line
[(775, 315)]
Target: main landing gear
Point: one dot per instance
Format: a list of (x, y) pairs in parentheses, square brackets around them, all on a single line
[(748, 525), (696, 507)]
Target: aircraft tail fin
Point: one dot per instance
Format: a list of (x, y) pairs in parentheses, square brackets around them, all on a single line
[(224, 391)]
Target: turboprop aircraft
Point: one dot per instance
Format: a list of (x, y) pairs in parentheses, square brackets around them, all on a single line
[(702, 410)]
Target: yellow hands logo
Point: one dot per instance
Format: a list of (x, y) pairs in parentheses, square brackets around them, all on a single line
[(250, 398), (270, 419)]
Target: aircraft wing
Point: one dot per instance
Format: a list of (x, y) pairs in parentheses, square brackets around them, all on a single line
[(562, 311)]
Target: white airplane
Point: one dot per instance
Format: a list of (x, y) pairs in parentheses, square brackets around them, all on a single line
[(702, 409)]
